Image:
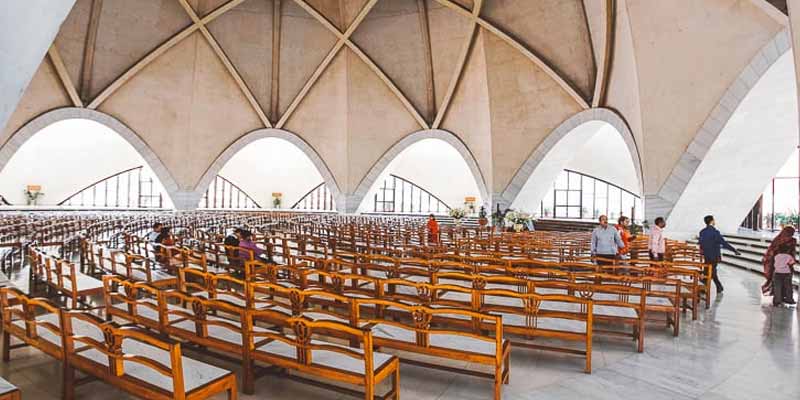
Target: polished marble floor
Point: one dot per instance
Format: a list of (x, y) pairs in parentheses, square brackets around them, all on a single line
[(741, 348)]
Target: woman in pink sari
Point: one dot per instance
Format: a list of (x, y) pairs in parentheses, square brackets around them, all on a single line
[(785, 237)]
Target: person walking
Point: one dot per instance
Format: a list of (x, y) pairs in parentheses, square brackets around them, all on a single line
[(606, 242), (782, 277), (711, 241), (657, 244), (784, 239)]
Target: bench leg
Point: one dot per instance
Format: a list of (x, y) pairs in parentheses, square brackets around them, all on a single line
[(68, 383), (396, 383), (6, 347), (248, 384), (498, 383), (676, 324)]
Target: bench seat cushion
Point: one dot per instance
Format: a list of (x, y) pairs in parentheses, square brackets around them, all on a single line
[(84, 283), (462, 343), (553, 324), (195, 373), (327, 359)]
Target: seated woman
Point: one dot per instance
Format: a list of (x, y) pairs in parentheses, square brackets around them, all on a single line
[(164, 240), (249, 250)]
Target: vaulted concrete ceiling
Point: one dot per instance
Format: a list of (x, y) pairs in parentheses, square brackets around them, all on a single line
[(354, 77)]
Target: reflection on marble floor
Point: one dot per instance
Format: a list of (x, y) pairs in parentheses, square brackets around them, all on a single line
[(741, 348)]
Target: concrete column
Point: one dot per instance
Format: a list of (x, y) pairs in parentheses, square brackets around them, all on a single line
[(27, 28), (186, 199)]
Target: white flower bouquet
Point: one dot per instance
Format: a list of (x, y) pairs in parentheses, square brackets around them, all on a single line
[(457, 213)]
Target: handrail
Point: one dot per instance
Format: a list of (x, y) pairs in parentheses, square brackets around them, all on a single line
[(604, 181), (117, 175), (99, 181), (325, 207), (423, 189), (240, 191), (388, 195)]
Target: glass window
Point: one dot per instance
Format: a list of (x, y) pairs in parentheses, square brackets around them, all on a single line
[(627, 204), (561, 197), (574, 198), (600, 199), (614, 202), (574, 181), (547, 204), (561, 181), (573, 212)]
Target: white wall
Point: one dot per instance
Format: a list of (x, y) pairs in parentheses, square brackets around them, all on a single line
[(27, 28), (64, 158), (272, 165), (754, 145), (594, 148), (435, 166)]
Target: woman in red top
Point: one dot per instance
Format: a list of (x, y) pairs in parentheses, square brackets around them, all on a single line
[(622, 226), (433, 230)]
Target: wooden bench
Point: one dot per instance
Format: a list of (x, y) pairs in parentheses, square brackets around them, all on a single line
[(136, 362), (35, 322), (413, 329), (298, 350), (64, 278)]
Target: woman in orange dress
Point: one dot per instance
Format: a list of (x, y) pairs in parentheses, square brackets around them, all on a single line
[(433, 230), (625, 234)]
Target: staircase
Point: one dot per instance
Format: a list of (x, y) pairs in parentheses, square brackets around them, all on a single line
[(564, 225), (752, 249)]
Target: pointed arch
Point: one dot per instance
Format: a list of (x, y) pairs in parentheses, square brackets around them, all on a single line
[(253, 136), (35, 125), (527, 169), (355, 199)]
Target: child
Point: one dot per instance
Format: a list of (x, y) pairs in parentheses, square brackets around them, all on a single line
[(782, 277)]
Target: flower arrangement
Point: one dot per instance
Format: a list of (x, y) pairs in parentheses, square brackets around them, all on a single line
[(517, 219), (32, 193), (277, 199), (457, 213)]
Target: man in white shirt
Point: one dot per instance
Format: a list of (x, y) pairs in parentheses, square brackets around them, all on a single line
[(606, 243), (657, 246)]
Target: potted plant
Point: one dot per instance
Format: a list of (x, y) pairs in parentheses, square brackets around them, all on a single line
[(482, 220), (276, 200), (32, 194)]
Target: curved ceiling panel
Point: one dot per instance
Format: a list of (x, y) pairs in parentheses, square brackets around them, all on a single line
[(559, 35), (71, 39), (304, 44), (245, 35), (119, 46), (392, 36)]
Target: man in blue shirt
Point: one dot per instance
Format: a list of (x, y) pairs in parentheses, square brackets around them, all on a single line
[(710, 243), (606, 243)]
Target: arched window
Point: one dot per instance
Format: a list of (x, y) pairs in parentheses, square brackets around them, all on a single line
[(80, 163), (429, 176)]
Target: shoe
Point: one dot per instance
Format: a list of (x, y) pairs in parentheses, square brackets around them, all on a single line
[(789, 302), (777, 304)]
